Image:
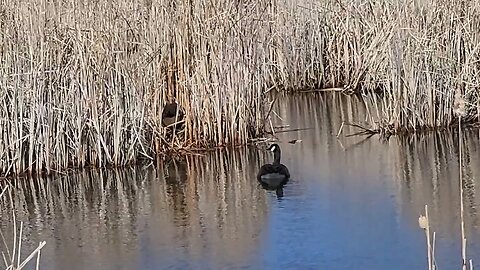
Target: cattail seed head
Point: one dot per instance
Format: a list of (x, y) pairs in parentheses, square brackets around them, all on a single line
[(423, 222), (459, 105)]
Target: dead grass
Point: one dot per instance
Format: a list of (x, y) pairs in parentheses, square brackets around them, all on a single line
[(412, 56), (84, 83)]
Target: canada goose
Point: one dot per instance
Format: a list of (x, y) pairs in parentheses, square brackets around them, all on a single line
[(172, 113), (273, 176)]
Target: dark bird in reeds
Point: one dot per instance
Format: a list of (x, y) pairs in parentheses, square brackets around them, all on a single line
[(172, 116), (274, 176)]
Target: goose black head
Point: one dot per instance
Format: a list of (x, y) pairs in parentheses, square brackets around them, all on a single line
[(274, 147)]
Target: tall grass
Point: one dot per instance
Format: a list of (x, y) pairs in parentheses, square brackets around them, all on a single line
[(413, 54), (84, 83)]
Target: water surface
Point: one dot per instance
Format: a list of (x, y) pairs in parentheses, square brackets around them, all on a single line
[(352, 203)]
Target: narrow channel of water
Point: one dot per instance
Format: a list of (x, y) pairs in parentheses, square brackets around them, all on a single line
[(352, 203)]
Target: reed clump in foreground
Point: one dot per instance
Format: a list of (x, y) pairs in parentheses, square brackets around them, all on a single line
[(12, 252)]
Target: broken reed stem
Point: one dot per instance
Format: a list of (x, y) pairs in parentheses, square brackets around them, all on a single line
[(38, 258), (340, 129), (35, 252), (434, 262), (429, 246)]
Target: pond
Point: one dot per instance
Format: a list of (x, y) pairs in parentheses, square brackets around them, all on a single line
[(352, 203)]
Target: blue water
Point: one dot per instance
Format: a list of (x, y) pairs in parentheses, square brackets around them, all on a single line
[(340, 229)]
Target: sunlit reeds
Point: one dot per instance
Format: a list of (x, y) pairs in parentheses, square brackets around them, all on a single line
[(415, 55), (84, 83)]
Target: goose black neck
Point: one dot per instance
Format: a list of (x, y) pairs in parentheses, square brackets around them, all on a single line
[(276, 156)]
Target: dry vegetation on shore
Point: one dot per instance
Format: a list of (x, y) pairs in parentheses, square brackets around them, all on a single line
[(83, 83)]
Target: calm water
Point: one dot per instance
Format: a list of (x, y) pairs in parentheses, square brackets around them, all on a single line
[(352, 204)]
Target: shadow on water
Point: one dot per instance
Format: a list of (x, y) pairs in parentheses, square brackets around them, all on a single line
[(351, 203)]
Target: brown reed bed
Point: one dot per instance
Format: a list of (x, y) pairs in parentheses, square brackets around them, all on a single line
[(85, 83), (409, 57)]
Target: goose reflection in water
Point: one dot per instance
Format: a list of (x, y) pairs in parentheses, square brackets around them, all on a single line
[(274, 176), (175, 175)]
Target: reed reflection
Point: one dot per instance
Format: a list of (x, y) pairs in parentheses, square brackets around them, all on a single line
[(428, 173), (412, 170), (202, 210)]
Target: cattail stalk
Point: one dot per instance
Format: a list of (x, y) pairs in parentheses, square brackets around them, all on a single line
[(459, 110), (424, 223)]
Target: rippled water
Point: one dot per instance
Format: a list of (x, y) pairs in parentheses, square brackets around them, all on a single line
[(351, 203)]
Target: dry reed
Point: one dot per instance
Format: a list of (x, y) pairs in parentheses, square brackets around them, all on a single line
[(459, 110), (84, 83), (424, 223), (410, 56), (11, 255)]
